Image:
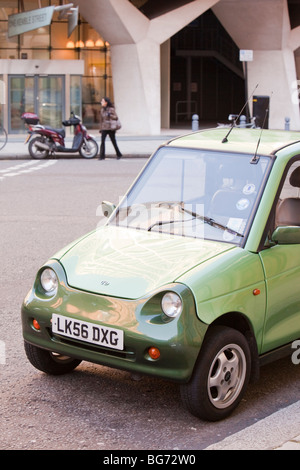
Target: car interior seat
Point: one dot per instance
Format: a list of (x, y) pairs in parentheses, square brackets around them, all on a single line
[(288, 210)]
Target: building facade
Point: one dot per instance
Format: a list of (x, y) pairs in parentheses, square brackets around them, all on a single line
[(48, 73), (160, 62)]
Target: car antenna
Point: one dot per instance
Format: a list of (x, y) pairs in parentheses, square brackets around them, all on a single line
[(255, 158), (237, 118)]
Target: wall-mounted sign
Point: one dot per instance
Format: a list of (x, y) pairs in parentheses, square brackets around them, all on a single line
[(29, 20), (246, 55)]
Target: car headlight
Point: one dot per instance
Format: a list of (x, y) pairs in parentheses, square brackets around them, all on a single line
[(49, 281), (171, 304)]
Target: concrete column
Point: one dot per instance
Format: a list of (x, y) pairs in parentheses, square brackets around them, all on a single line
[(264, 27), (136, 78), (135, 54), (276, 78), (165, 80)]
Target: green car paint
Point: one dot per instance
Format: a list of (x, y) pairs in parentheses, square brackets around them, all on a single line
[(227, 285), (199, 222), (129, 263), (142, 320)]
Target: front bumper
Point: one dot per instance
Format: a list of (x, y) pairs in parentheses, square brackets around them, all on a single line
[(179, 340)]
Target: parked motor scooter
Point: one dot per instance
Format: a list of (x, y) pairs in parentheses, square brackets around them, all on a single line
[(45, 140)]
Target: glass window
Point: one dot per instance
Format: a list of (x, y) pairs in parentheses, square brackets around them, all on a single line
[(201, 194), (75, 94), (91, 93), (5, 12), (52, 42), (22, 99), (289, 188), (2, 98), (95, 62), (63, 54), (38, 54), (37, 38), (50, 102), (287, 208), (5, 41), (59, 36)]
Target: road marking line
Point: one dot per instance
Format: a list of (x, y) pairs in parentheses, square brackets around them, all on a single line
[(25, 168), (21, 165)]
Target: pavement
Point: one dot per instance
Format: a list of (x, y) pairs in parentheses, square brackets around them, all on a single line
[(285, 421), (278, 431), (292, 444), (130, 146)]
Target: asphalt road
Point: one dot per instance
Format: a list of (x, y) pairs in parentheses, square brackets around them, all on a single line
[(44, 206)]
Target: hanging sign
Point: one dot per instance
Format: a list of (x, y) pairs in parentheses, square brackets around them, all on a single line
[(29, 20), (72, 20)]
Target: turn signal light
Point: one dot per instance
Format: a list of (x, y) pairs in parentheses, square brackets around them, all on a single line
[(154, 352), (36, 324)]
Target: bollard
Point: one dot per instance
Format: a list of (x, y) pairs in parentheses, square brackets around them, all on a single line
[(195, 122), (287, 124), (243, 121)]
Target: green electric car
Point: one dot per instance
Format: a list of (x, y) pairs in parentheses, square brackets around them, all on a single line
[(194, 277)]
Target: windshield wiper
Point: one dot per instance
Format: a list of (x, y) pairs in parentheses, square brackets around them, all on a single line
[(205, 219), (212, 222), (164, 222)]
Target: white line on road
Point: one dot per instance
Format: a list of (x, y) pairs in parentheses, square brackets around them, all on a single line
[(21, 165), (27, 167)]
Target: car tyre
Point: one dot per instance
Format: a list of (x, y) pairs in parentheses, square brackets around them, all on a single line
[(50, 362), (220, 377)]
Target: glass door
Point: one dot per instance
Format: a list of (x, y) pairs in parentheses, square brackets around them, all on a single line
[(42, 95), (50, 100), (21, 100)]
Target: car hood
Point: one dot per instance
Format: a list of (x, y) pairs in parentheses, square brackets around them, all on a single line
[(131, 263)]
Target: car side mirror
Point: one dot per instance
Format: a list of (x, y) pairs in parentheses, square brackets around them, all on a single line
[(286, 235), (107, 208)]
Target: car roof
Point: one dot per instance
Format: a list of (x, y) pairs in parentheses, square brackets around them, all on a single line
[(239, 140)]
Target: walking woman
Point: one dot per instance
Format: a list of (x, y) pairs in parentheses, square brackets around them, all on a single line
[(108, 126)]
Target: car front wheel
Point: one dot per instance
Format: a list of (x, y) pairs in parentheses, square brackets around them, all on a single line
[(50, 362), (220, 377)]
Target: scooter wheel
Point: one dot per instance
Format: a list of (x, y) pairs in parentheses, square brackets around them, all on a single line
[(89, 148), (36, 151)]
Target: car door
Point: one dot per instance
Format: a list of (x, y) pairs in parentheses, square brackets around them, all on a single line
[(282, 270)]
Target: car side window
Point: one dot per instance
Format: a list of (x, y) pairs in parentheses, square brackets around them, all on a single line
[(288, 205)]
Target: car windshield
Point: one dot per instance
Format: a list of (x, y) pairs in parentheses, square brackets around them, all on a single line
[(195, 193)]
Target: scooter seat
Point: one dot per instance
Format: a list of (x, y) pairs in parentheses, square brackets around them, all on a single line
[(59, 131)]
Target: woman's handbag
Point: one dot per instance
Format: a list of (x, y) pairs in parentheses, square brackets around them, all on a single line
[(115, 124)]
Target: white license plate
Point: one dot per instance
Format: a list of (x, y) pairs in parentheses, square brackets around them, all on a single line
[(89, 332)]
